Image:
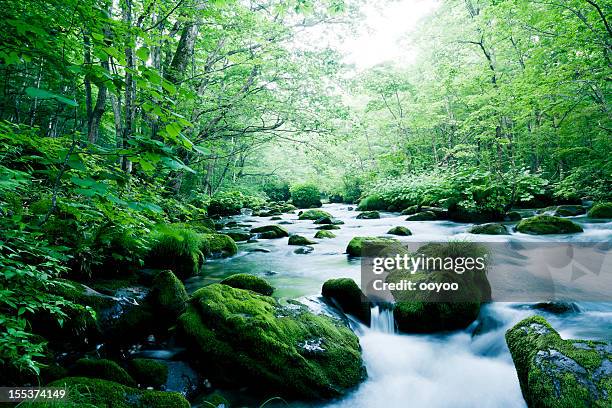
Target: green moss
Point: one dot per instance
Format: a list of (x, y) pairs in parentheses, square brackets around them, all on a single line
[(249, 282), (81, 294), (554, 372), (324, 221), (300, 240), (103, 369), (314, 215), (601, 210), (423, 216), (217, 400), (270, 231), (546, 224), (399, 230), (243, 338), (368, 215), (88, 392), (373, 202), (328, 227), (346, 293), (218, 244), (513, 216), (413, 209), (148, 373), (489, 229), (324, 234), (357, 244), (238, 236), (168, 296), (569, 210), (176, 248)]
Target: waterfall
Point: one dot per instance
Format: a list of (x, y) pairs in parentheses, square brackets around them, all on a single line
[(381, 319)]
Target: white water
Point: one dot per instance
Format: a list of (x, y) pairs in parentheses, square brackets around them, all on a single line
[(450, 370)]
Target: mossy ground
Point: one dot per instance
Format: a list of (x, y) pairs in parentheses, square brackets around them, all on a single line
[(243, 338)]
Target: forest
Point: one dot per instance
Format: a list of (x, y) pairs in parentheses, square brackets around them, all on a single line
[(150, 148)]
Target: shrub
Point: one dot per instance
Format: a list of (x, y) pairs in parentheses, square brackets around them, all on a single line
[(306, 196), (277, 190), (176, 248)]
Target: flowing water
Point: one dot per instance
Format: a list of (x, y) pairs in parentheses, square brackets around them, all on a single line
[(468, 368)]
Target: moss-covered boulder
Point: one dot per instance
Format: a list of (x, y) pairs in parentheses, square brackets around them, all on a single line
[(400, 231), (423, 216), (218, 245), (246, 339), (373, 202), (167, 297), (101, 368), (328, 227), (249, 282), (569, 210), (554, 372), (93, 392), (238, 236), (148, 372), (429, 311), (413, 209), (368, 215), (601, 210), (176, 248), (314, 215), (217, 400), (324, 220), (491, 228), (270, 232), (547, 224), (513, 216), (300, 240), (356, 245), (345, 293), (324, 234)]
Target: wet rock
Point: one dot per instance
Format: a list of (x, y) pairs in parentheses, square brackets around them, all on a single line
[(557, 307), (513, 216), (569, 210), (300, 240), (489, 229), (368, 215), (303, 250), (263, 250), (601, 210), (400, 231), (547, 224), (357, 244), (314, 214), (148, 372), (413, 209), (246, 339), (324, 234), (328, 227), (239, 236), (423, 216), (249, 282), (270, 231), (554, 372), (345, 293)]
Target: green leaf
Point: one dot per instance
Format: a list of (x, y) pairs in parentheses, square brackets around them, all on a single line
[(43, 94), (143, 53)]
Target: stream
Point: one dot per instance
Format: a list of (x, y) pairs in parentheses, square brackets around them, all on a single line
[(459, 369)]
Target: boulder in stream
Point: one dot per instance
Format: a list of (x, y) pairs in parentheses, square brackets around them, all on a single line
[(368, 215), (167, 297), (346, 294), (601, 210), (400, 231), (423, 216), (314, 214), (249, 282), (356, 245), (324, 234), (328, 227), (242, 338), (491, 228), (547, 224), (270, 231), (300, 240), (554, 372)]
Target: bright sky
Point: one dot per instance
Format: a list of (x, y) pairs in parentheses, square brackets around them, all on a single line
[(386, 24)]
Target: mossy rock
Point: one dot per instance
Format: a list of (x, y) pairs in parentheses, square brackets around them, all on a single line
[(300, 240), (238, 236), (249, 282), (423, 311), (276, 218), (345, 293), (601, 210), (93, 392), (441, 213), (176, 248), (270, 232), (547, 224), (218, 245), (245, 339), (569, 210), (369, 215), (148, 372), (324, 220), (373, 202), (168, 296), (328, 227), (423, 216), (413, 209), (324, 234), (314, 215), (554, 372), (489, 229), (103, 369), (216, 400), (133, 325), (356, 245), (513, 216), (400, 231)]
